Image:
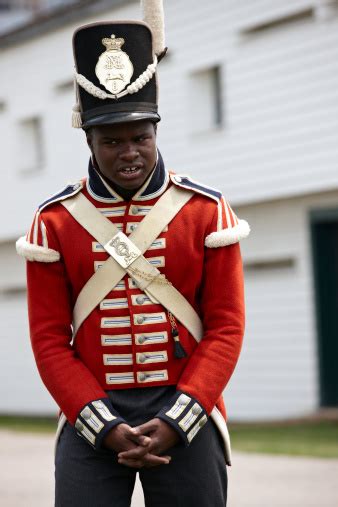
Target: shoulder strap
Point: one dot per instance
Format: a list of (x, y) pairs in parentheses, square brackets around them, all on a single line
[(67, 192), (186, 182), (102, 282)]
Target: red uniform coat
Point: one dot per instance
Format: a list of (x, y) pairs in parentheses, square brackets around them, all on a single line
[(127, 340)]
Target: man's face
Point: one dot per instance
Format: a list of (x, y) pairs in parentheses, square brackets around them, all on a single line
[(125, 153)]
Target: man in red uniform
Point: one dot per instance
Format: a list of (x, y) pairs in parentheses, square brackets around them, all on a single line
[(135, 296)]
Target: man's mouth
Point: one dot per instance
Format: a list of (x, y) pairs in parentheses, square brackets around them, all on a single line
[(129, 170)]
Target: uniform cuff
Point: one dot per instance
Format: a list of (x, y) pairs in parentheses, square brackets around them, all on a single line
[(185, 414), (95, 420)]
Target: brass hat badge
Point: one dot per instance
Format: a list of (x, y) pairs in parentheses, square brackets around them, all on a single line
[(114, 68)]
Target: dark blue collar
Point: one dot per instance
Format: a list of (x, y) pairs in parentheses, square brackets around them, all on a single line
[(154, 186)]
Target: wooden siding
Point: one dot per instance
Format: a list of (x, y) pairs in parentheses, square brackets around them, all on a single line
[(280, 101), (277, 375), (279, 93), (275, 157)]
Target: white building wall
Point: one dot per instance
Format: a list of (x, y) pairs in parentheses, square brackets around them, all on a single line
[(21, 389), (277, 375), (34, 71), (279, 90)]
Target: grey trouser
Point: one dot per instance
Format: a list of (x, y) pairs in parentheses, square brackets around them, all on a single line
[(196, 476)]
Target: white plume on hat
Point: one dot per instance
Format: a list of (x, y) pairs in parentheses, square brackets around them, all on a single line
[(153, 15)]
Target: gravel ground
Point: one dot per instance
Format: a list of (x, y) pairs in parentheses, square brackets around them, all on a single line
[(255, 480)]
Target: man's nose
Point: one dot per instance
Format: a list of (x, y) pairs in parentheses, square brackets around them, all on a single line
[(129, 152)]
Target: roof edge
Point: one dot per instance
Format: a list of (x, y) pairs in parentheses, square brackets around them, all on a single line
[(59, 17)]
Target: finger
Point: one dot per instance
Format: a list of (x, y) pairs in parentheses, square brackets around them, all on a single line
[(137, 436), (141, 440), (156, 460), (135, 453), (149, 458), (132, 463), (145, 428), (148, 461)]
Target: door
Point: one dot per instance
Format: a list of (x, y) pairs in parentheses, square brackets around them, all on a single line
[(324, 226)]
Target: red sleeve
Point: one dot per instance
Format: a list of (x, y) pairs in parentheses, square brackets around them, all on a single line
[(68, 380), (50, 315), (222, 312), (222, 305)]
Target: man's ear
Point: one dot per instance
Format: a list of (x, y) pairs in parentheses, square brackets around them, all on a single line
[(89, 138)]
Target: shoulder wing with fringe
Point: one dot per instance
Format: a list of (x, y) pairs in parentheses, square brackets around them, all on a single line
[(36, 245), (229, 229)]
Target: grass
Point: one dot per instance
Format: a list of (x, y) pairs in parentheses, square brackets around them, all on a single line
[(306, 438), (28, 424), (309, 438)]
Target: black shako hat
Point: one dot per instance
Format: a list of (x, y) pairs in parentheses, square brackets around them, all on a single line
[(115, 69)]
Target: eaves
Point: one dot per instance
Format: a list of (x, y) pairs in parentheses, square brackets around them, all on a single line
[(58, 18)]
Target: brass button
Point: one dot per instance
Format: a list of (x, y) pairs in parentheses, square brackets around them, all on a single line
[(142, 377), (141, 340), (99, 404), (202, 422), (86, 413), (134, 210), (142, 358), (183, 400), (133, 227), (79, 425), (196, 410), (140, 319), (140, 300)]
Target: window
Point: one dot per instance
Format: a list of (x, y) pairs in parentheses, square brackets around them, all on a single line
[(17, 4), (270, 264), (280, 21), (12, 280), (65, 86), (31, 145), (4, 5), (205, 97), (13, 293)]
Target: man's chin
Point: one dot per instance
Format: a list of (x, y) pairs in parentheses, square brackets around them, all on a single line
[(132, 184)]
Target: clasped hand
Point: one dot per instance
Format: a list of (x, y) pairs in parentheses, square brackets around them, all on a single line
[(144, 445)]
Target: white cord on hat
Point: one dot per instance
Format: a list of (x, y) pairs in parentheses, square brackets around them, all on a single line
[(134, 87), (90, 88)]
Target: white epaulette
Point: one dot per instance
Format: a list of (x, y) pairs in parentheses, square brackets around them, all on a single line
[(31, 247), (230, 229)]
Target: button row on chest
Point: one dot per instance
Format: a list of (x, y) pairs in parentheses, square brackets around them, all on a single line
[(140, 300)]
